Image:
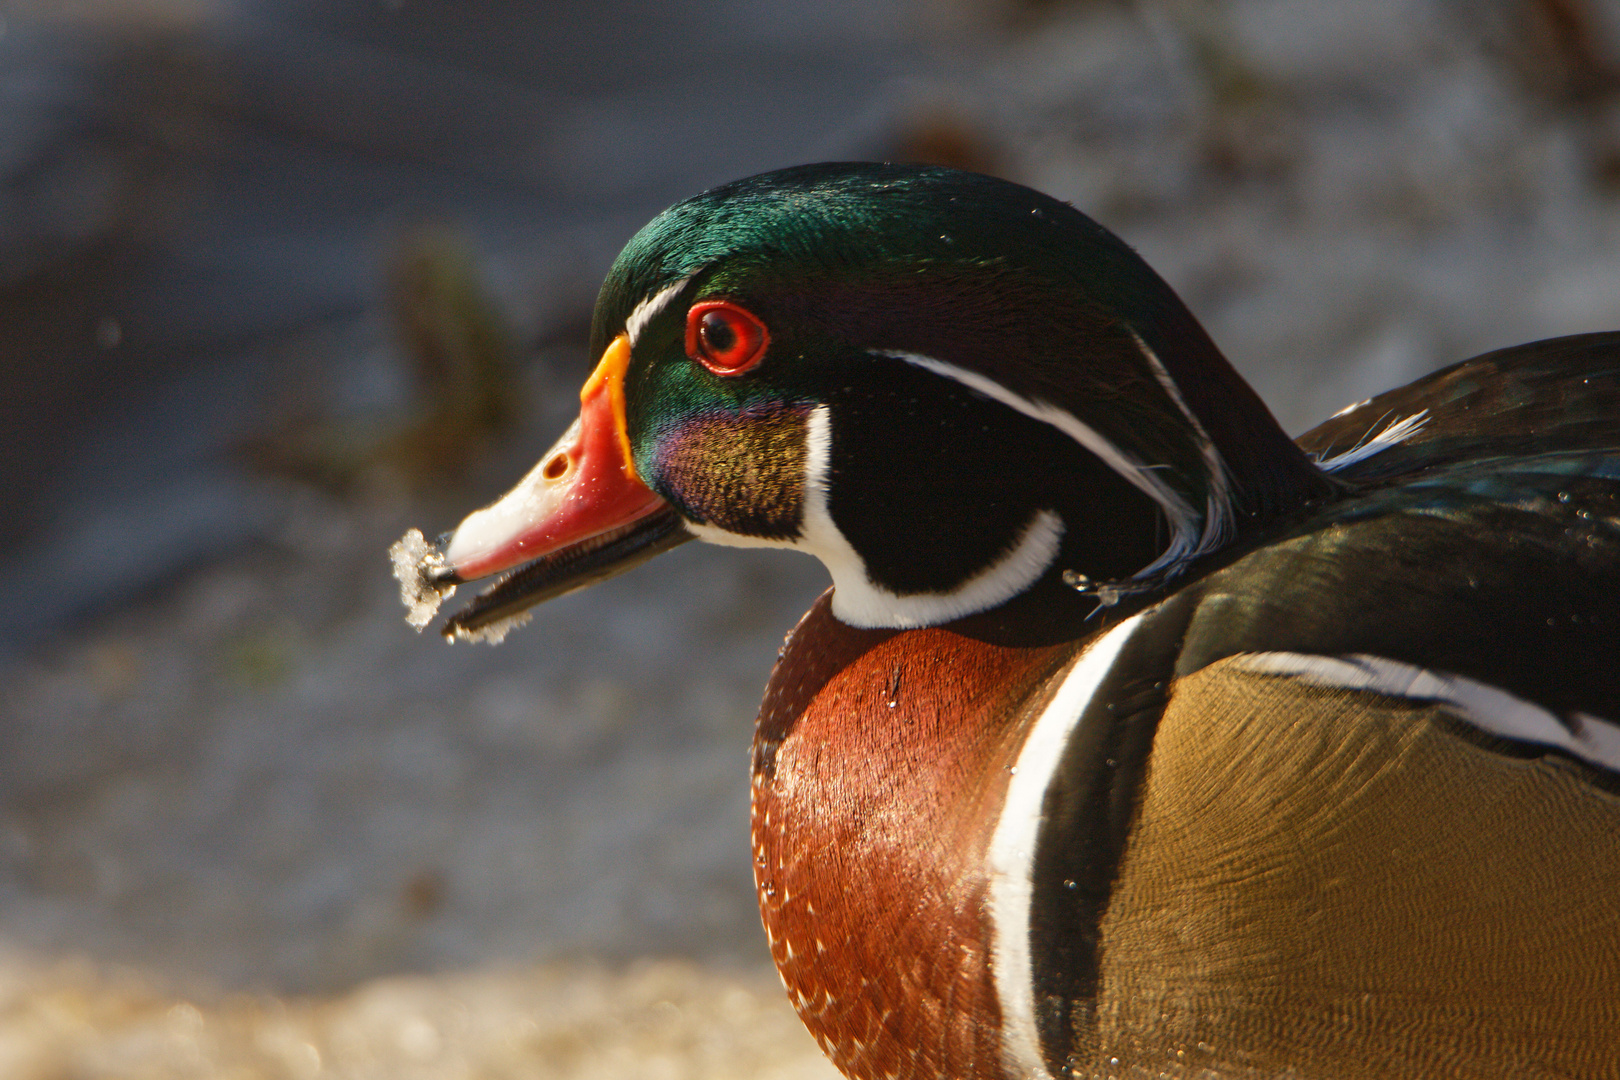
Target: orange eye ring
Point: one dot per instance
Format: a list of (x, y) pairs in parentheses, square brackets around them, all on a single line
[(724, 337)]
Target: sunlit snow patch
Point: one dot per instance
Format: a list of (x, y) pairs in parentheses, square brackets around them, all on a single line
[(492, 633), (416, 565)]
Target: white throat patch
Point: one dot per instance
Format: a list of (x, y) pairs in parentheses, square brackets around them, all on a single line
[(857, 600)]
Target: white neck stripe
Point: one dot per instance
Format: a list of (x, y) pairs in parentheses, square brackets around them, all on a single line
[(649, 308), (1218, 519), (1011, 857), (1486, 707), (1185, 539)]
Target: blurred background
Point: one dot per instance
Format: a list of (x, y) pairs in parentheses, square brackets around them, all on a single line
[(280, 279)]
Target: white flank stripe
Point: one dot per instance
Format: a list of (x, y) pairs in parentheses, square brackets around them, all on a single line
[(1012, 848), (649, 308), (1185, 526), (1486, 707)]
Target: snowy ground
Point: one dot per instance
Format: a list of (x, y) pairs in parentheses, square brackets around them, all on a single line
[(250, 824)]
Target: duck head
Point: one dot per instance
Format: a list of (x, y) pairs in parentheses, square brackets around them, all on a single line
[(951, 389)]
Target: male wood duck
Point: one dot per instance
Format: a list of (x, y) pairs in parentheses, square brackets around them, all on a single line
[(1133, 738)]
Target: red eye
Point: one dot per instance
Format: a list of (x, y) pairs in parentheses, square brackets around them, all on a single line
[(725, 338)]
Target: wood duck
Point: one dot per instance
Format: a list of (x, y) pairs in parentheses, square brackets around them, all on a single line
[(1133, 737)]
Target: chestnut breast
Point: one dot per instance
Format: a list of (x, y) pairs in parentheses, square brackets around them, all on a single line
[(880, 763)]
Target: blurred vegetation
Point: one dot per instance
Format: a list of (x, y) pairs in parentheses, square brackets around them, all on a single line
[(460, 350)]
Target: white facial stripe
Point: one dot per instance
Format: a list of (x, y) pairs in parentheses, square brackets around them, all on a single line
[(1218, 516), (1012, 847), (649, 308), (1484, 706), (1388, 436), (1186, 535)]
